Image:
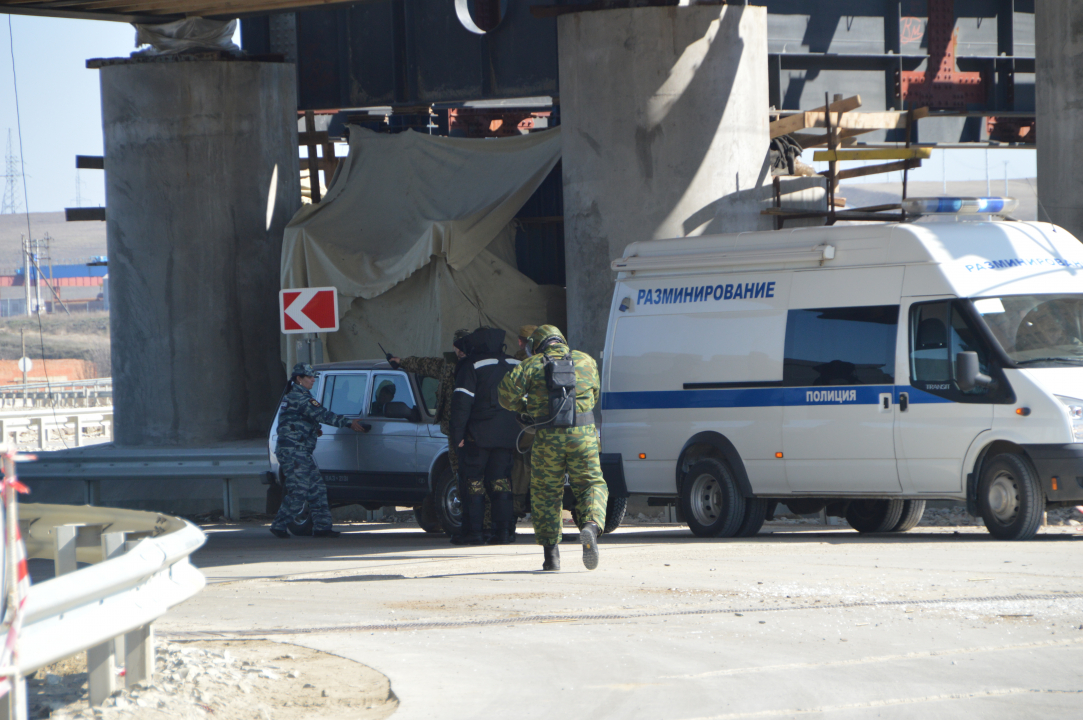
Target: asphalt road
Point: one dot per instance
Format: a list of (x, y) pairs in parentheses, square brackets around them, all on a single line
[(796, 622)]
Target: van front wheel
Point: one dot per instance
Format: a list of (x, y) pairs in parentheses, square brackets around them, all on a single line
[(710, 500), (1009, 498)]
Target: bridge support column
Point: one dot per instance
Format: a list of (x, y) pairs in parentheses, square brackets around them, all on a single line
[(665, 132), (201, 178), (1058, 97)]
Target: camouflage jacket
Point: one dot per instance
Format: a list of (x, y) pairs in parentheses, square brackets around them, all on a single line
[(524, 390), (299, 418), (443, 371)]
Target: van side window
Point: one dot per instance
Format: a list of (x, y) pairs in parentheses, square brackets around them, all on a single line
[(939, 331), (840, 346)]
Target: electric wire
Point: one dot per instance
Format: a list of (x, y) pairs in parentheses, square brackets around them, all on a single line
[(26, 207)]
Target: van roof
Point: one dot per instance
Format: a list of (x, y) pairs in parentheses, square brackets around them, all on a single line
[(972, 258)]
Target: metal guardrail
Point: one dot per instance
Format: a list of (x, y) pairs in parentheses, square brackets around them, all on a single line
[(95, 464), (95, 383), (140, 571), (57, 420), (94, 392)]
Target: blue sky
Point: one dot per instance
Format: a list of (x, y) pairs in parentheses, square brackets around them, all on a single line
[(61, 112), (58, 102)]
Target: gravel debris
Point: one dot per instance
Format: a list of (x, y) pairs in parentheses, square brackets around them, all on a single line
[(197, 681)]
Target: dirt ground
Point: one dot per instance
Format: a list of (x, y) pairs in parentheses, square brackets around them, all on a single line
[(242, 679), (81, 335)]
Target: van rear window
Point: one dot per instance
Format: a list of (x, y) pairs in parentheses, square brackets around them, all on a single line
[(840, 346)]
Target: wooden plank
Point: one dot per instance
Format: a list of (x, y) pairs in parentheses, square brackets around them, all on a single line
[(876, 169), (793, 123), (880, 154), (313, 157), (551, 11), (877, 208), (329, 163), (808, 140), (308, 138), (79, 214), (863, 121), (89, 162)]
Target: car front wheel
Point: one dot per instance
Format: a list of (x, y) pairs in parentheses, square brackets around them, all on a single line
[(448, 508)]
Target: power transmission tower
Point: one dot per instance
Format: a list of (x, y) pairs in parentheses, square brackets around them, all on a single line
[(11, 202)]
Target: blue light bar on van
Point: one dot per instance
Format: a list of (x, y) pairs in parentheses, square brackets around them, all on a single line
[(959, 205)]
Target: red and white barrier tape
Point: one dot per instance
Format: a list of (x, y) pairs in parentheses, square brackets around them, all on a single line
[(15, 557)]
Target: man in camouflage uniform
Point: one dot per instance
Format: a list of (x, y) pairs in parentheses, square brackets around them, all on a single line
[(520, 471), (299, 420), (443, 370), (556, 451)]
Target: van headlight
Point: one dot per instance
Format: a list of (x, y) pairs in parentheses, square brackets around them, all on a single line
[(1074, 406)]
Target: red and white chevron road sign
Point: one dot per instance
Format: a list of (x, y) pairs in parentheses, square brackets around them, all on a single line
[(308, 310)]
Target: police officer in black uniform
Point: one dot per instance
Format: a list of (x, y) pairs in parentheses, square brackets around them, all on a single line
[(485, 434)]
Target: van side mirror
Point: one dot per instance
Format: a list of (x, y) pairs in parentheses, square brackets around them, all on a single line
[(968, 372)]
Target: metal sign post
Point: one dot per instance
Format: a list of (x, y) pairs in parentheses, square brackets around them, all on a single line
[(308, 311)]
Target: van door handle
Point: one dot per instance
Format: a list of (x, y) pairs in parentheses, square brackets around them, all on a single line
[(904, 401), (885, 402)]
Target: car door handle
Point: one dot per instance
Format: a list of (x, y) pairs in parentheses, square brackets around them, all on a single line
[(904, 401)]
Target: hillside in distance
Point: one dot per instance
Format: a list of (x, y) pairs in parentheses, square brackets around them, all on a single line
[(70, 242)]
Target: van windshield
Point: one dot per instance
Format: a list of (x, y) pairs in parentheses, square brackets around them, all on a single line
[(1036, 330)]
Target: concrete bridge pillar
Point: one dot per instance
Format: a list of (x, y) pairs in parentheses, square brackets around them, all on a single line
[(665, 131), (201, 178), (1059, 122)]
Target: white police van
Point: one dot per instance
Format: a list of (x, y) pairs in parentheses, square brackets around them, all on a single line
[(862, 369)]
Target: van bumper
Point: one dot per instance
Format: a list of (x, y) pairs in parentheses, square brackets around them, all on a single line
[(1063, 462)]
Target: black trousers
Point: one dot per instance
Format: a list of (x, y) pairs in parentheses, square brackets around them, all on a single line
[(484, 469)]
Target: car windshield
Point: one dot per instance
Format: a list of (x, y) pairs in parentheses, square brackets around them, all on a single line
[(1036, 330)]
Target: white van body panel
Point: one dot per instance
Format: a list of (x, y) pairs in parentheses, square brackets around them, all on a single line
[(689, 356)]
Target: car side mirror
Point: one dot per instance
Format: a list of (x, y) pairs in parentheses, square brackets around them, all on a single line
[(400, 411), (968, 372)]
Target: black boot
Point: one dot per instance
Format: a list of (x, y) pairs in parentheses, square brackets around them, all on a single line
[(552, 557), (472, 521), (589, 537), (503, 518)]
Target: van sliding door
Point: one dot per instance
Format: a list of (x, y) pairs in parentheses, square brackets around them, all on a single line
[(837, 433)]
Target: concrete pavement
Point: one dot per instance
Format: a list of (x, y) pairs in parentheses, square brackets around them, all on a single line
[(795, 622)]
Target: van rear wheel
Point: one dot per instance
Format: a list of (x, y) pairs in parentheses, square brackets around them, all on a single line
[(874, 516), (911, 515), (710, 500), (754, 517), (1009, 498), (614, 512)]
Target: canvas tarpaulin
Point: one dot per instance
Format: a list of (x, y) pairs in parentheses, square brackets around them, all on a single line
[(417, 234)]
